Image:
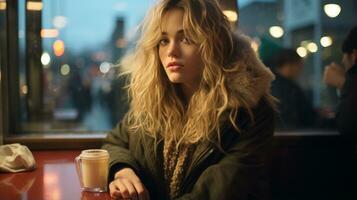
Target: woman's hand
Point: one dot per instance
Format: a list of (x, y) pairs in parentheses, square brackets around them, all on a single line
[(127, 185)]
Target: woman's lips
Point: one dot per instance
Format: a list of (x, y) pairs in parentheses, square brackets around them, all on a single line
[(174, 66)]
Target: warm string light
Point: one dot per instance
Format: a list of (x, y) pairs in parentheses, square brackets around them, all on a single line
[(45, 58), (49, 33), (332, 10), (301, 51), (276, 31), (65, 69), (58, 48), (34, 6), (312, 47), (2, 5), (326, 41)]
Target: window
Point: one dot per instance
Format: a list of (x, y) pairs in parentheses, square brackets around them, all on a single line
[(63, 78), (58, 58), (315, 30)]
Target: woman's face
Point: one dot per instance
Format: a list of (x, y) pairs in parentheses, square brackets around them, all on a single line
[(179, 56)]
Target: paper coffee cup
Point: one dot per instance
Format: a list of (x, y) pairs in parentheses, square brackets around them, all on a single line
[(92, 169)]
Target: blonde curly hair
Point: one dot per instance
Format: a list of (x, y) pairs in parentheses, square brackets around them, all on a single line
[(156, 106)]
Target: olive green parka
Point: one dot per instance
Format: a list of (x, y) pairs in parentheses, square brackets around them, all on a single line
[(240, 172)]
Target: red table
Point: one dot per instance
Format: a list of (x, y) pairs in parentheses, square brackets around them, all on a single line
[(55, 178)]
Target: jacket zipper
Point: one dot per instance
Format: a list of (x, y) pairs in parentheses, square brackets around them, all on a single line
[(203, 156)]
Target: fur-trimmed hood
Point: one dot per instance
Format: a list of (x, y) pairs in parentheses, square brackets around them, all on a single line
[(251, 79)]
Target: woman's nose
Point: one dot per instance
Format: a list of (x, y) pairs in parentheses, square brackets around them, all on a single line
[(173, 50)]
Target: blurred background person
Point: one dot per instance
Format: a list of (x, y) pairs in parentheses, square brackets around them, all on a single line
[(80, 94), (345, 80), (295, 110)]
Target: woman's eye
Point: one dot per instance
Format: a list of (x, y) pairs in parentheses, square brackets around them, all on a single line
[(163, 42)]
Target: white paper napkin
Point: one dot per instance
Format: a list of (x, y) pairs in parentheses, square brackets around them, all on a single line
[(16, 158)]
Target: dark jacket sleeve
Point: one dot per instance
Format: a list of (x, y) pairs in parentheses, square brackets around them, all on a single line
[(347, 110), (238, 174), (117, 144)]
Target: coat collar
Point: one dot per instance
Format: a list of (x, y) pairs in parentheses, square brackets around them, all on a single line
[(252, 79)]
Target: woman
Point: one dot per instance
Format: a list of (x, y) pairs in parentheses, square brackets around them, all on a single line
[(200, 122)]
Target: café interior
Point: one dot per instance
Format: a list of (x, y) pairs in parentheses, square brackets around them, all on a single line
[(60, 93)]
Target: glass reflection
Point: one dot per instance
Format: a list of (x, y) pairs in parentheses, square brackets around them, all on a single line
[(14, 185), (81, 90), (55, 182)]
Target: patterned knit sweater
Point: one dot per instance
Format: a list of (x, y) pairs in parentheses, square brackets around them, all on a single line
[(175, 161)]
